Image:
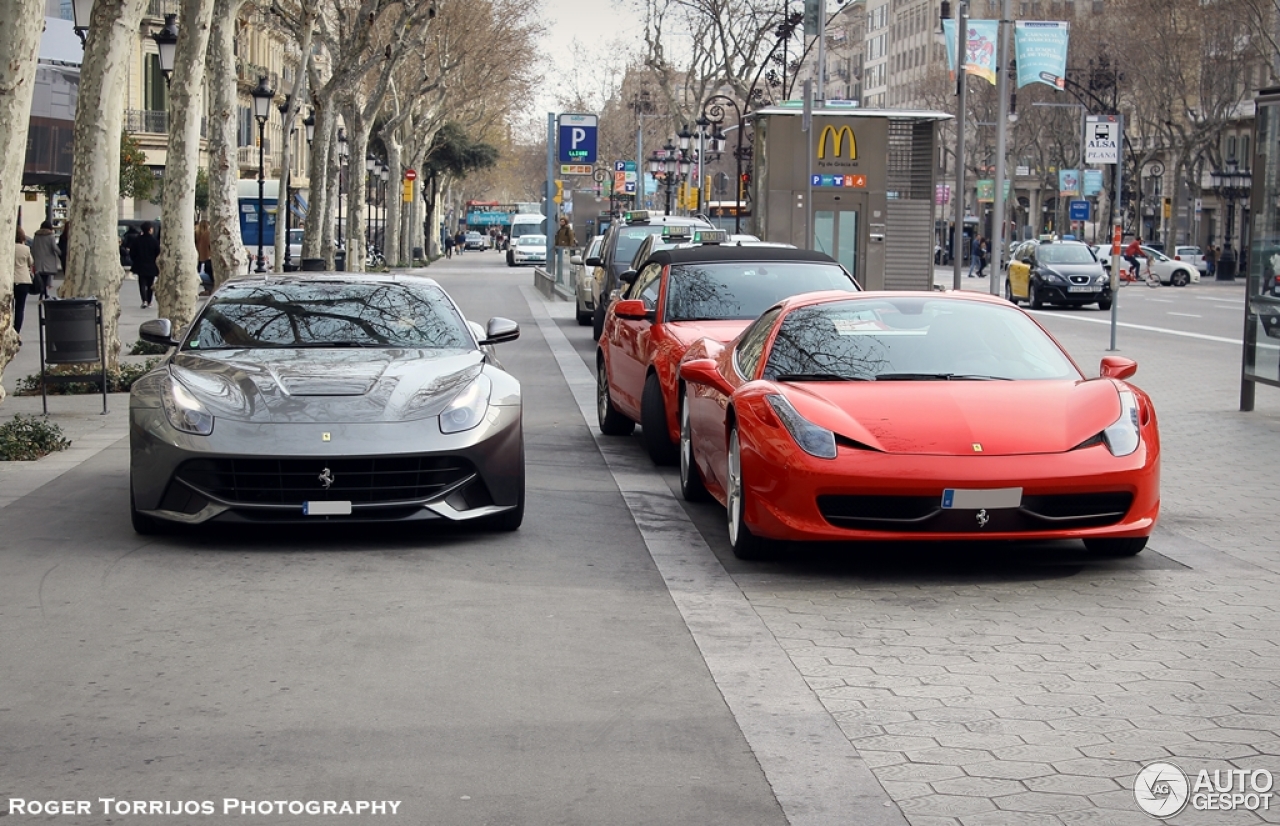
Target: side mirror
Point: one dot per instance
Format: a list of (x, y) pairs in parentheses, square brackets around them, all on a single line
[(1115, 367), (628, 276), (593, 261), (158, 331), (500, 330), (631, 308), (704, 371), (575, 260)]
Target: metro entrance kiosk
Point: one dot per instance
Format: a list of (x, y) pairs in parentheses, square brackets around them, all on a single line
[(873, 178)]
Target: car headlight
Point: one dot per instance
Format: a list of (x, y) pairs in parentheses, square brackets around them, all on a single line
[(1122, 435), (184, 410), (467, 408), (1052, 277), (812, 439), (1102, 279)]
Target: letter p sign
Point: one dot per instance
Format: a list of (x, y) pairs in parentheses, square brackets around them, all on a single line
[(577, 139)]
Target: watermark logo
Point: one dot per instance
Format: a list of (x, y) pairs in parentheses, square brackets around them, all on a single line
[(1161, 789)]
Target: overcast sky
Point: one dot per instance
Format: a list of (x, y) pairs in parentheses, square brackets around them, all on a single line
[(600, 28)]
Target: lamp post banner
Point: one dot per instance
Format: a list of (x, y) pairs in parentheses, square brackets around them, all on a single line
[(1041, 49), (980, 50)]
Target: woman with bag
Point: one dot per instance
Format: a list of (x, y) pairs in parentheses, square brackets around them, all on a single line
[(24, 266), (44, 249)]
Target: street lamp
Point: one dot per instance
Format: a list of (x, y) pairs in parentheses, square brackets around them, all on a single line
[(80, 13), (714, 113), (309, 124), (669, 165), (262, 97), (1230, 184), (344, 152), (167, 44), (370, 167), (285, 108), (386, 192)]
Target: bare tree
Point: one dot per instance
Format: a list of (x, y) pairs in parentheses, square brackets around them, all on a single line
[(22, 22), (176, 287), (93, 265), (229, 257)]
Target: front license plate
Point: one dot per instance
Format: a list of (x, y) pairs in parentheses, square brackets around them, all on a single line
[(336, 508), (977, 499), (1081, 289)]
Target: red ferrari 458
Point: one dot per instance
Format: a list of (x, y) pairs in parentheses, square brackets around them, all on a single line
[(910, 416)]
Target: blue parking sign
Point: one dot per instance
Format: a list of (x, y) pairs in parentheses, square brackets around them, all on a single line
[(577, 139)]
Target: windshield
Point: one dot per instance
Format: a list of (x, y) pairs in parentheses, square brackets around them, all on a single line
[(295, 236), (914, 338), (328, 313), (1065, 254), (745, 289), (526, 228)]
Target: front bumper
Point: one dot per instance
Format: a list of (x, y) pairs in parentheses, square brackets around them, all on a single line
[(1060, 294), (874, 496), (388, 472)]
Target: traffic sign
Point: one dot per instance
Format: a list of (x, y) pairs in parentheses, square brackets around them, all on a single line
[(1102, 136), (577, 139), (411, 174), (1079, 211), (624, 177), (576, 169)]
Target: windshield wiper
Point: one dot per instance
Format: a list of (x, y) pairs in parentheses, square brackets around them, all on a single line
[(817, 377), (337, 344), (937, 377)]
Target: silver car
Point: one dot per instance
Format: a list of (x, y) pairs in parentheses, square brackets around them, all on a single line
[(327, 398)]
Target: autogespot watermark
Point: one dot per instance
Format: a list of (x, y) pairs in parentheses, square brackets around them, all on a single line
[(1163, 790)]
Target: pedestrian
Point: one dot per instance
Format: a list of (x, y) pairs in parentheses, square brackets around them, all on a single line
[(204, 256), (973, 253), (460, 242), (125, 241), (24, 266), (448, 246), (1211, 261), (983, 252), (144, 251), (564, 235), (44, 249)]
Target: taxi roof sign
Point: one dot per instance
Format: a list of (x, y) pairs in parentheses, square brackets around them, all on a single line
[(636, 216), (711, 236)]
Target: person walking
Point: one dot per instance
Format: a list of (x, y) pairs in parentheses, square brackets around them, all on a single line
[(44, 249), (24, 266), (564, 235), (448, 246), (144, 251), (973, 254), (1211, 261), (204, 256), (983, 252)]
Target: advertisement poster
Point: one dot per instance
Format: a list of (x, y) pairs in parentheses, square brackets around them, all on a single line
[(980, 56), (1041, 48), (1092, 182), (986, 189), (1068, 182)]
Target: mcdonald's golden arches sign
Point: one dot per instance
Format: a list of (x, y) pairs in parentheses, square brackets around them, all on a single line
[(839, 139)]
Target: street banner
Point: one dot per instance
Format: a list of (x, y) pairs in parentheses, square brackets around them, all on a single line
[(942, 194), (986, 189), (1041, 47), (1068, 182), (1092, 182), (980, 54)]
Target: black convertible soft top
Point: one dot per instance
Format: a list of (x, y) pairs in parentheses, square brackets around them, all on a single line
[(728, 252)]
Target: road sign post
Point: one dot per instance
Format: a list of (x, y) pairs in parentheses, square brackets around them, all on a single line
[(1104, 141)]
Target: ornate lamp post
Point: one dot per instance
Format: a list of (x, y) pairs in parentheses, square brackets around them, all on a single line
[(669, 167), (370, 168), (262, 97), (1230, 184), (713, 112), (344, 152), (80, 12), (167, 45), (386, 192)]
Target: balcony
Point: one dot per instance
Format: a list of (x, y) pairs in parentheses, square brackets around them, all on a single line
[(248, 73), (154, 122), (159, 8)]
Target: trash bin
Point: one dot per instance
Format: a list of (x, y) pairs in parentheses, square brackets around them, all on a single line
[(340, 261), (418, 254), (71, 332), (1226, 270), (313, 265)]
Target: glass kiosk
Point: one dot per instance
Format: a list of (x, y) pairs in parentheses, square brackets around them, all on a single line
[(1261, 354)]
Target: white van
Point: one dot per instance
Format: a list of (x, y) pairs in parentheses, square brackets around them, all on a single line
[(523, 223)]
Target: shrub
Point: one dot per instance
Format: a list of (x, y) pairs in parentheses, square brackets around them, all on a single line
[(27, 438), (146, 348), (119, 379)]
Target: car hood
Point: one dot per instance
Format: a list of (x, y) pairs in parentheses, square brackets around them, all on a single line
[(1094, 269), (962, 418), (320, 385)]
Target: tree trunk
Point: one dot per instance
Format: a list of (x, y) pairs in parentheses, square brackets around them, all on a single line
[(93, 260), (177, 285), (22, 21), (315, 236), (286, 154), (358, 135), (391, 230), (229, 257)]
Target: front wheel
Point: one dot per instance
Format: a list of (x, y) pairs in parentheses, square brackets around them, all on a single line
[(612, 423), (1116, 547), (1181, 278), (1037, 302), (653, 423), (746, 545), (143, 525), (1008, 293), (691, 484), (1104, 304), (597, 321)]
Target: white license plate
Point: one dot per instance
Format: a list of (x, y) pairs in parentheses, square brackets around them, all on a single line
[(1081, 289), (977, 499), (335, 508)]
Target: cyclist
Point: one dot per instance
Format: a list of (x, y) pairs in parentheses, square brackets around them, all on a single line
[(1134, 255)]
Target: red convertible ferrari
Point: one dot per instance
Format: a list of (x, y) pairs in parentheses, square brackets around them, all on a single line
[(915, 416)]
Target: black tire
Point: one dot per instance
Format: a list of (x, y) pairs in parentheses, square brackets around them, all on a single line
[(511, 259), (597, 321), (692, 487), (612, 423), (143, 525), (583, 315), (1008, 293), (653, 424), (1116, 547), (1181, 278), (746, 545), (1104, 304), (1037, 303)]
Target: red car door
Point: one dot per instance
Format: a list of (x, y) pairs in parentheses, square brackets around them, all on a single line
[(629, 343)]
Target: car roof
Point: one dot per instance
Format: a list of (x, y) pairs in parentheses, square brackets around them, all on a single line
[(733, 252), (300, 277), (831, 295)]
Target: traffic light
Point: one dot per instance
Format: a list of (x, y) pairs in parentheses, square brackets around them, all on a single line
[(559, 198)]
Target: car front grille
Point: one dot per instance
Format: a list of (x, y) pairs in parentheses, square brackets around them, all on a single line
[(924, 514), (290, 482)]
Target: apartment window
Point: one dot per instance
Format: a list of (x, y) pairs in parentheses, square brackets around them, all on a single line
[(244, 127), (155, 92), (1246, 161)]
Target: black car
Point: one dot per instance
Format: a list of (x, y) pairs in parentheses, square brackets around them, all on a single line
[(1057, 272), (619, 248)]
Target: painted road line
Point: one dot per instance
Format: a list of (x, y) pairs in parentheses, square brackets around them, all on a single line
[(1144, 327), (816, 774), (1184, 315)]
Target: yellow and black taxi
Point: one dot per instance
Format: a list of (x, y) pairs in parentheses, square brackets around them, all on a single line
[(1051, 271)]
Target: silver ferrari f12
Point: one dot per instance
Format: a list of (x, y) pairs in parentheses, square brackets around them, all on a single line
[(327, 398)]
